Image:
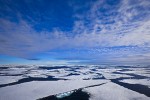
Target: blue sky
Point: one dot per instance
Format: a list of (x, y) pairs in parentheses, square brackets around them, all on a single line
[(75, 32)]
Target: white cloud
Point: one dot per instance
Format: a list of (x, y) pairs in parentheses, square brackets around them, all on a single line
[(117, 28), (126, 29)]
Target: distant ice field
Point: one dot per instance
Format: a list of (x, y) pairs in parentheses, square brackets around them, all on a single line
[(99, 82)]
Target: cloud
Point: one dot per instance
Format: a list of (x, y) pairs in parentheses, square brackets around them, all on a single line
[(107, 55), (120, 26), (20, 39), (102, 25)]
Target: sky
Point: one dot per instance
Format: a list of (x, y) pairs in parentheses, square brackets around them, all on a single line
[(89, 32)]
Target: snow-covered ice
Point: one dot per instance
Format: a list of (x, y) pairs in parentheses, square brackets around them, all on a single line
[(34, 82), (34, 90), (112, 91)]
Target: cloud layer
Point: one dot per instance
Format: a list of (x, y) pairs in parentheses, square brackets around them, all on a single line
[(104, 24)]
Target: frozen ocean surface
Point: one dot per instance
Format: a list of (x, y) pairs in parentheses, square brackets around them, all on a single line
[(74, 82)]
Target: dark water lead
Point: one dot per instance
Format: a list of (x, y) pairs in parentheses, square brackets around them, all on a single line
[(30, 79), (134, 76), (3, 68), (51, 68), (76, 95), (135, 87)]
